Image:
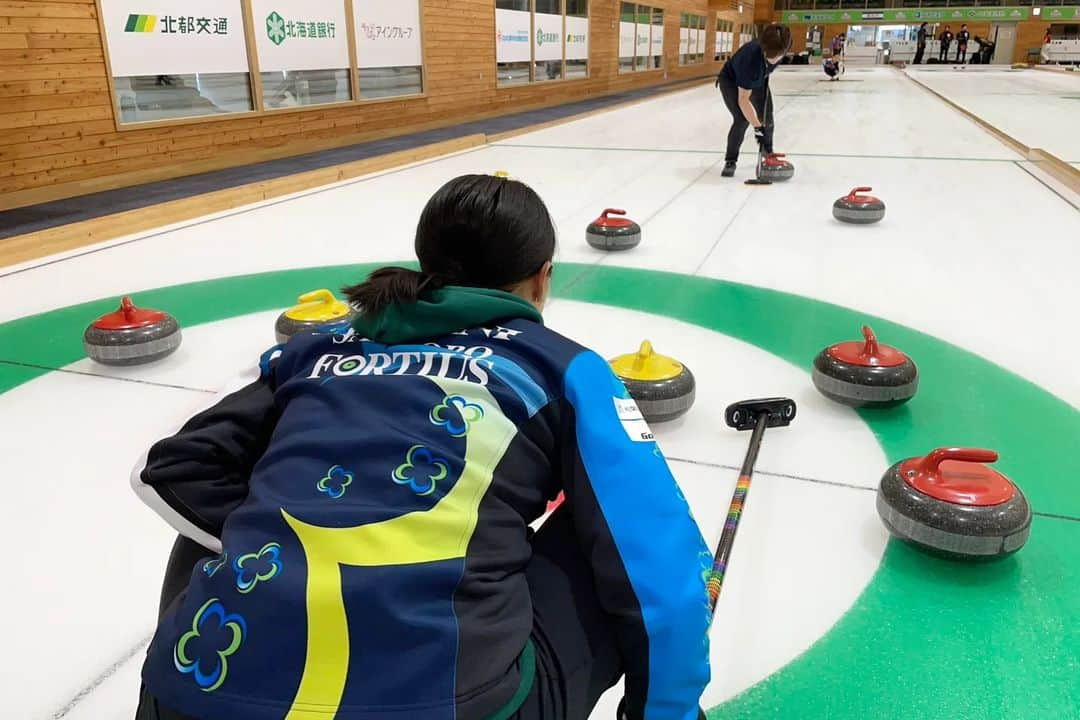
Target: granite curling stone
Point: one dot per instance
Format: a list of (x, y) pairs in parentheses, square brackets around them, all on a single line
[(865, 374), (132, 336), (613, 233), (949, 503), (774, 168), (858, 209), (662, 387), (318, 310)]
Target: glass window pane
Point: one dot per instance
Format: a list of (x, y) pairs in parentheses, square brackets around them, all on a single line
[(145, 98), (515, 73), (657, 38), (643, 39), (548, 40), (305, 87), (627, 36), (577, 38), (391, 81)]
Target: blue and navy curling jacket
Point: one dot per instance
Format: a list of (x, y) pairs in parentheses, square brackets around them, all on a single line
[(369, 505)]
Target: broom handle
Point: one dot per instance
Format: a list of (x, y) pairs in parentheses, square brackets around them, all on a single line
[(731, 526)]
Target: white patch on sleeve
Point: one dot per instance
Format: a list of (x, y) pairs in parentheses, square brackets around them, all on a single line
[(632, 420)]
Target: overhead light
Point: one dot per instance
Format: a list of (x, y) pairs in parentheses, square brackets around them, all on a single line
[(740, 9), (1036, 11)]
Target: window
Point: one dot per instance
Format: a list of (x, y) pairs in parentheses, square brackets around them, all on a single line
[(746, 34), (541, 40), (170, 66), (389, 48), (691, 39), (303, 49), (725, 34), (641, 37)]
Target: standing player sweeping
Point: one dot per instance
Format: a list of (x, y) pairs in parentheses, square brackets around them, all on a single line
[(744, 83)]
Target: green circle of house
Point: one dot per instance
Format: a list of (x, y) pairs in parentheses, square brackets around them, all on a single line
[(928, 639)]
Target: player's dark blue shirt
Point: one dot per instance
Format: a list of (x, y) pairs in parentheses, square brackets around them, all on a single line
[(369, 501), (747, 68)]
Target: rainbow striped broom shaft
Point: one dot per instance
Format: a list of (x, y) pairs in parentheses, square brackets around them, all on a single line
[(749, 414)]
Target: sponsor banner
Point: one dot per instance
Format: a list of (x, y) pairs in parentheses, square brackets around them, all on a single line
[(684, 41), (388, 33), (577, 38), (918, 15), (700, 42), (512, 36), (174, 37), (657, 39), (1060, 13), (643, 35), (627, 35), (547, 36), (301, 34)]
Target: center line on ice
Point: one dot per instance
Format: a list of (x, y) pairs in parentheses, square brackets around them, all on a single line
[(35, 366)]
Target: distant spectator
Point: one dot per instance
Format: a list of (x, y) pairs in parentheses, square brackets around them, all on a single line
[(962, 44), (921, 47), (945, 38)]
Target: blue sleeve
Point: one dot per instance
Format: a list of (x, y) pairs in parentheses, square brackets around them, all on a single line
[(646, 551)]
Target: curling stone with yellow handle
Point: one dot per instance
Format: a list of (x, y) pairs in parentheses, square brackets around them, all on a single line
[(662, 387), (318, 310)]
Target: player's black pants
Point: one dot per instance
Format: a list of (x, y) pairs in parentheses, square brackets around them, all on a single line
[(919, 55), (576, 654), (943, 54), (761, 99), (961, 53)]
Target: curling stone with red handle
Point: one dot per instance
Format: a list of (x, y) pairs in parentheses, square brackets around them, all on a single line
[(865, 374), (613, 233), (859, 209), (131, 336), (951, 504), (774, 168)]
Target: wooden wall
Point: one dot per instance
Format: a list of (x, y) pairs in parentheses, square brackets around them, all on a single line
[(58, 137), (1029, 35)]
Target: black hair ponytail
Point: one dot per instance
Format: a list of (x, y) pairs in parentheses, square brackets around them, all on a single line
[(387, 286)]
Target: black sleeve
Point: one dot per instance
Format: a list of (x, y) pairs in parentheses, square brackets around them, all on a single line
[(196, 477)]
